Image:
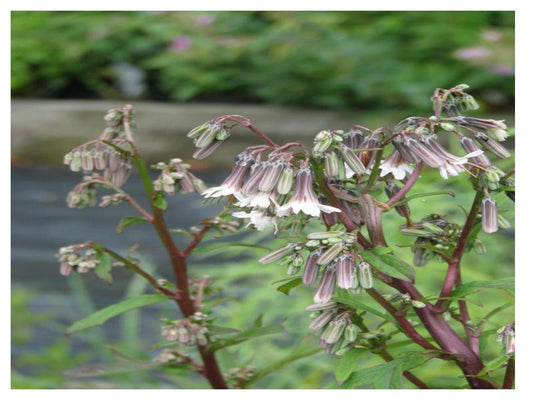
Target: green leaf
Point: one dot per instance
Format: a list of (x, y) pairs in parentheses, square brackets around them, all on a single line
[(469, 288), (386, 375), (420, 195), (276, 366), (103, 268), (348, 363), (352, 300), (384, 260), (250, 333), (160, 202), (129, 221), (286, 287), (221, 330), (101, 316)]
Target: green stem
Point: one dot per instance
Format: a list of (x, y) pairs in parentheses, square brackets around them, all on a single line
[(374, 173)]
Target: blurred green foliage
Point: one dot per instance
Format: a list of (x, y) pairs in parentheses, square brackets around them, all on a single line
[(318, 59)]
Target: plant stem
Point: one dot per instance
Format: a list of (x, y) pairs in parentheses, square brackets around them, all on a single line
[(404, 325), (508, 380), (374, 173), (179, 266), (408, 185), (455, 263), (139, 271)]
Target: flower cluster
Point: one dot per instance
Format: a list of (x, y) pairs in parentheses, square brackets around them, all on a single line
[(99, 157), (266, 190), (334, 325), (208, 137), (192, 331), (332, 256), (78, 257), (175, 177)]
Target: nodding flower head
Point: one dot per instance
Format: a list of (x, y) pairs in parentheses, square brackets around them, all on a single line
[(233, 183), (304, 199)]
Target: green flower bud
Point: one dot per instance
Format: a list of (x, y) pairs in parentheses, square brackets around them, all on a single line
[(365, 276), (350, 333), (330, 254)]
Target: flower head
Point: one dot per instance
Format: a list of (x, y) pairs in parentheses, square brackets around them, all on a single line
[(304, 199)]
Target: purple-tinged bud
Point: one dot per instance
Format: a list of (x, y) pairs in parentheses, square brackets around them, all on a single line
[(286, 181), (334, 330), (489, 215), (322, 319), (75, 163), (372, 217), (326, 287), (470, 146), (206, 151), (311, 268), (87, 163), (330, 253), (321, 306), (277, 254), (355, 139), (400, 145), (271, 176), (365, 275), (424, 153), (492, 145), (252, 184), (351, 158), (345, 271)]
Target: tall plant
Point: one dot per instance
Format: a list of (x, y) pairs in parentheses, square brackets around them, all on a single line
[(337, 182)]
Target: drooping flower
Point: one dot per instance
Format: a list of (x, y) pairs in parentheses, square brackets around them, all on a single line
[(396, 164), (304, 199), (233, 183)]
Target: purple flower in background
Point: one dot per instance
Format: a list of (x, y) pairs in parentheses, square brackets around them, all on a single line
[(471, 53), (181, 43), (505, 70), (204, 20)]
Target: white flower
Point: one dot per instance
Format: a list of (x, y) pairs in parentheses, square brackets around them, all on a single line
[(304, 200), (396, 164), (258, 219)]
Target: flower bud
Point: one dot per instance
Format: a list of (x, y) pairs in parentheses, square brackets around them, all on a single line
[(277, 254), (326, 287), (355, 139), (492, 145), (350, 333), (322, 142), (311, 268), (489, 215), (479, 247), (324, 235), (333, 331), (322, 319), (331, 253), (271, 176), (351, 158), (345, 271), (321, 306), (365, 275), (286, 181), (503, 222), (207, 137), (75, 164), (196, 132), (470, 146)]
